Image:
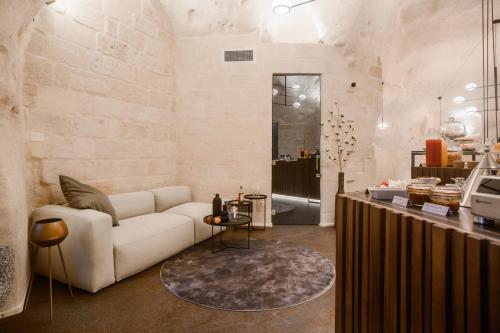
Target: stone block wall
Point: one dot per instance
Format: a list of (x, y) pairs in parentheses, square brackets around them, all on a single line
[(99, 97)]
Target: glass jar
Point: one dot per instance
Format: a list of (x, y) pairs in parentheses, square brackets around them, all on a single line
[(418, 194), (454, 129), (447, 196), (454, 153), (436, 150)]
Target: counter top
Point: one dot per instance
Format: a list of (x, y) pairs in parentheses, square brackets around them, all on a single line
[(462, 221)]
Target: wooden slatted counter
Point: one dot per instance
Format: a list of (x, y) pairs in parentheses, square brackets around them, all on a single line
[(402, 270)]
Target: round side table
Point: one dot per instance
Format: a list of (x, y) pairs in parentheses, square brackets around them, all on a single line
[(46, 234), (239, 221), (244, 208), (256, 197)]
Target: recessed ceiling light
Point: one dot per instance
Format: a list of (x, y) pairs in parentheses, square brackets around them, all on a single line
[(275, 92), (471, 86), (459, 99), (471, 109), (302, 96), (296, 86), (296, 105)]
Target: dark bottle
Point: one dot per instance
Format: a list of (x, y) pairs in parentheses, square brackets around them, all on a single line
[(217, 206)]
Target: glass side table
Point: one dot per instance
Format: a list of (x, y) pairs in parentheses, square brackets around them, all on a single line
[(256, 197), (245, 207), (239, 221)]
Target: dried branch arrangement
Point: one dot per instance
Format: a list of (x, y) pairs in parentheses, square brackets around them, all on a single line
[(339, 137)]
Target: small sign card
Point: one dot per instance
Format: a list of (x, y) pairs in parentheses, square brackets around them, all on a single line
[(435, 209), (400, 201)]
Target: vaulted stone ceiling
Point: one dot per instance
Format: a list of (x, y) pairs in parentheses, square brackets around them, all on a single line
[(320, 21), (352, 23)]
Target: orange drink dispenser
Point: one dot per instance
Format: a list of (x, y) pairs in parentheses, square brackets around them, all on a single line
[(436, 150)]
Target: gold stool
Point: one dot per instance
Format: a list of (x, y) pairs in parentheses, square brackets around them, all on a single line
[(48, 233)]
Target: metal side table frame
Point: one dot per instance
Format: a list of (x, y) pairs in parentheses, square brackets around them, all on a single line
[(257, 197)]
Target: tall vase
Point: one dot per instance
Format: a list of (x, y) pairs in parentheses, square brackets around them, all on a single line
[(341, 183)]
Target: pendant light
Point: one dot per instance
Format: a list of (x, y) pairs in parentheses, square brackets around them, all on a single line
[(440, 99), (382, 125), (282, 7)]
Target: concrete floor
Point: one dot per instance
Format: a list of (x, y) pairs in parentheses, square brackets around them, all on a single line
[(142, 304)]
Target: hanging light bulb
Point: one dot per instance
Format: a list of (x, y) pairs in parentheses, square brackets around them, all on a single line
[(471, 86), (459, 99), (382, 125), (296, 105), (275, 92), (302, 97)]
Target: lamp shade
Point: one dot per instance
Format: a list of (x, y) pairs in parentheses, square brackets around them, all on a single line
[(48, 232)]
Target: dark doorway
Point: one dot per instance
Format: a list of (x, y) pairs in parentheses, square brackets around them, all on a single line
[(296, 149)]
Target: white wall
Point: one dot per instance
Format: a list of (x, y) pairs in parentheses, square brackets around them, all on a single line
[(225, 113)]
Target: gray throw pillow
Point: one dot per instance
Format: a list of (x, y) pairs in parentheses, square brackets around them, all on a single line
[(83, 196)]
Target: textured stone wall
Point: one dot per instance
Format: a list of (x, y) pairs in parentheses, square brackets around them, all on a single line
[(225, 113), (99, 97), (15, 19)]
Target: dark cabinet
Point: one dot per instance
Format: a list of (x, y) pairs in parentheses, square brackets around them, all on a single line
[(298, 178)]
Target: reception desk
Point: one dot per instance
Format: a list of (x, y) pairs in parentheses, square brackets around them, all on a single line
[(402, 270)]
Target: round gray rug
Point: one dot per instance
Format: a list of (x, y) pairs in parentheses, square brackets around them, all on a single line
[(269, 275)]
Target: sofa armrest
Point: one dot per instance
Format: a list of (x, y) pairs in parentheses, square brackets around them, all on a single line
[(171, 196), (88, 249)]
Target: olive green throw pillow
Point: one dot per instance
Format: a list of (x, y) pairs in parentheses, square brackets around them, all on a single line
[(83, 196)]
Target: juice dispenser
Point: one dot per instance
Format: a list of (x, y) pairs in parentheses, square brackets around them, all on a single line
[(436, 149)]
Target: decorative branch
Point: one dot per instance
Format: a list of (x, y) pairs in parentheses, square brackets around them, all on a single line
[(339, 137)]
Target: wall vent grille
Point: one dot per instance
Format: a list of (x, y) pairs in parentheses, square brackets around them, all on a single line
[(238, 55)]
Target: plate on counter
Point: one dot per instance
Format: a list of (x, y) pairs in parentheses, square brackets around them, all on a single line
[(387, 193)]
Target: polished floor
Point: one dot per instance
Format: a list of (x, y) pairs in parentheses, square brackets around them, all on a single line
[(142, 304), (303, 213)]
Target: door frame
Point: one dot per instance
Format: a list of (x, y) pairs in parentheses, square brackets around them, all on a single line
[(320, 75)]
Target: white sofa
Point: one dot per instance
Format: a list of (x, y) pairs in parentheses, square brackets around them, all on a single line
[(154, 225)]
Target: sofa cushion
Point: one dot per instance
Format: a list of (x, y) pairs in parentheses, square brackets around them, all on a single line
[(170, 196), (83, 196), (133, 204), (143, 241), (197, 211)]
